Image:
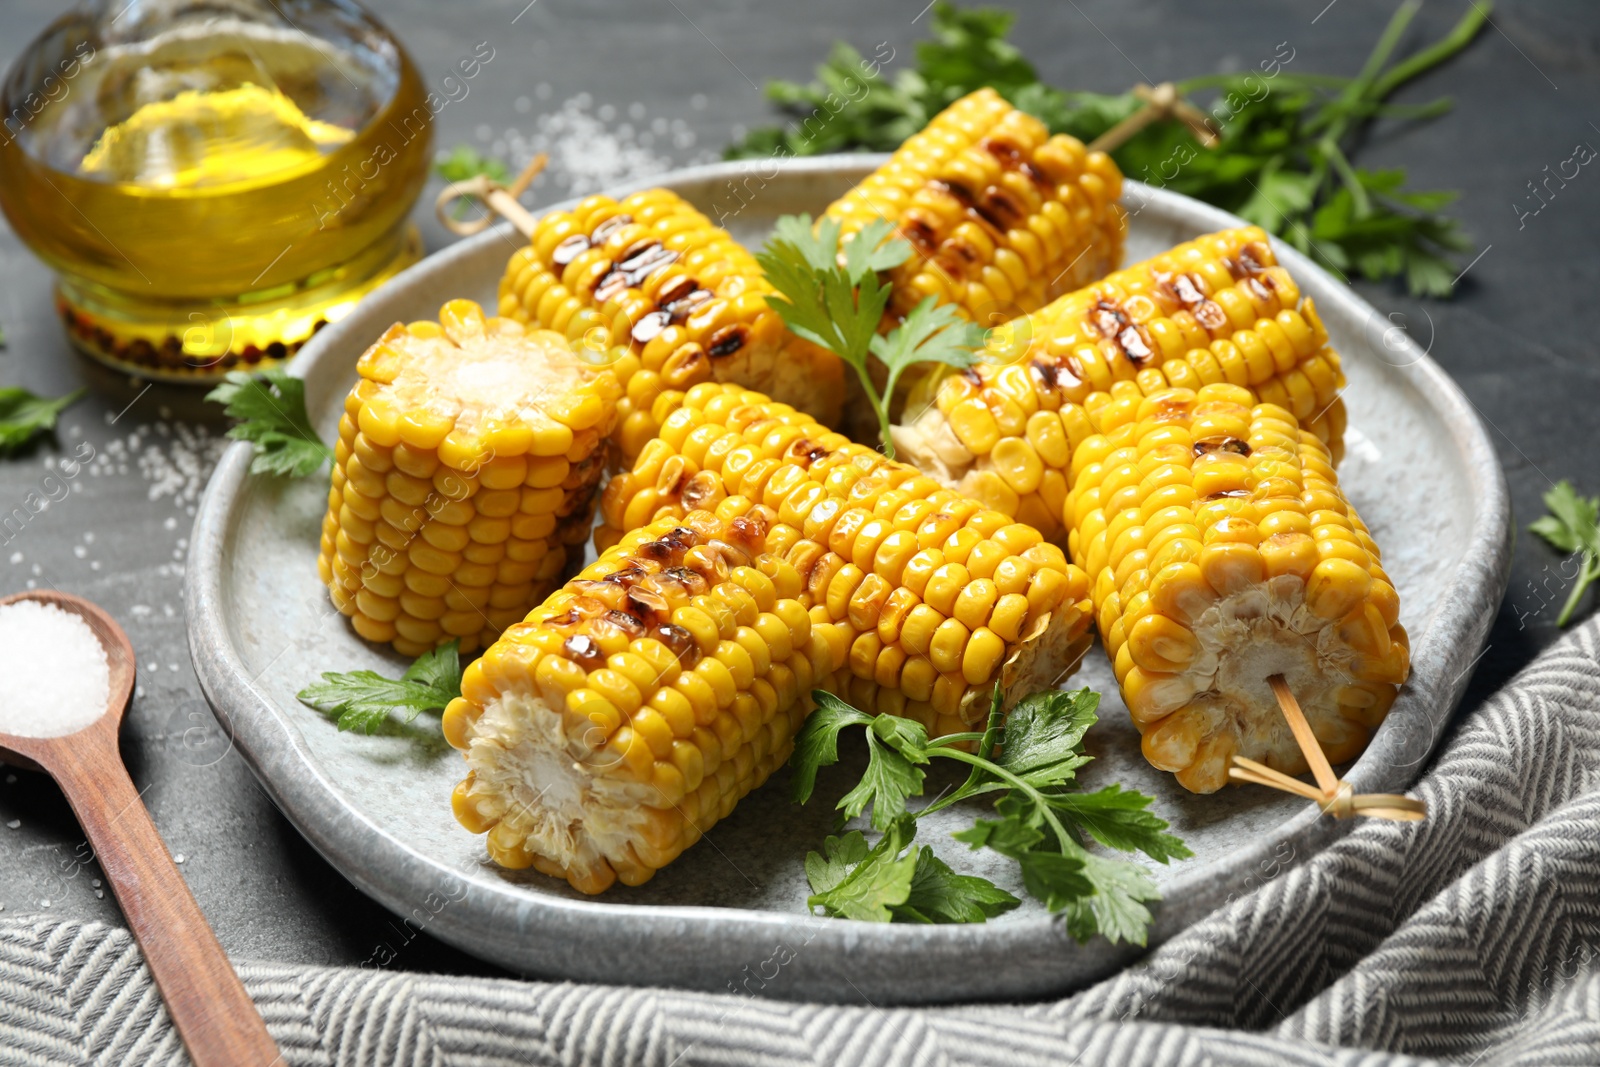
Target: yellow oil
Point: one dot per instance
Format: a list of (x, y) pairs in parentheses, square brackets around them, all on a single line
[(210, 222)]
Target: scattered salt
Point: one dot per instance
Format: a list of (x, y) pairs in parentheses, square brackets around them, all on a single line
[(54, 679), (179, 858)]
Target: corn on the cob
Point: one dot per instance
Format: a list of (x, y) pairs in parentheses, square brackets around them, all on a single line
[(1216, 309), (1003, 217), (636, 707), (1222, 553), (672, 299), (468, 457), (925, 598)]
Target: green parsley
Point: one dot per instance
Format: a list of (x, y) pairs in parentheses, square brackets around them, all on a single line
[(836, 299), (1283, 161), (271, 407), (463, 162), (363, 700), (1027, 762), (1573, 525), (23, 415)]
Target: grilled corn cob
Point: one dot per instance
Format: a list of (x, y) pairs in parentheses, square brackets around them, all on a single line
[(925, 598), (650, 284), (1217, 309), (636, 707), (1223, 553), (1003, 217), (468, 457)]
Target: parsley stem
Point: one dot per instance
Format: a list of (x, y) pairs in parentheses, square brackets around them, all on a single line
[(1591, 571), (878, 407), (1069, 844), (1430, 57)]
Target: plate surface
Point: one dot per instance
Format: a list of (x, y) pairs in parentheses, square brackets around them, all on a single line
[(730, 914)]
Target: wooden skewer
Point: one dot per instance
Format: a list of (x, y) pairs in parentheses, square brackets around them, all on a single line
[(502, 199), (1160, 102), (1331, 792)]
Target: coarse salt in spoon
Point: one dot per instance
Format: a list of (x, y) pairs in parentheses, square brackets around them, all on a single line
[(66, 673)]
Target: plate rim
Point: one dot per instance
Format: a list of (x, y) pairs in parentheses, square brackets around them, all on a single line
[(707, 947)]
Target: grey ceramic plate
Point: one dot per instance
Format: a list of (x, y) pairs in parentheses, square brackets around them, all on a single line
[(730, 914)]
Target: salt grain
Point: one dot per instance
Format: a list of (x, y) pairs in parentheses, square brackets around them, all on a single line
[(54, 679)]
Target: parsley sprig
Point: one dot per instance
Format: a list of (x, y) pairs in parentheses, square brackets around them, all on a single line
[(835, 298), (1284, 161), (1573, 525), (271, 407), (364, 700), (23, 415), (1027, 762)]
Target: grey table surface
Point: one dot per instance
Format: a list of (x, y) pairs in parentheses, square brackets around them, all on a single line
[(616, 90)]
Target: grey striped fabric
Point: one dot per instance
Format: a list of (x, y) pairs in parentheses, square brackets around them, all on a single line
[(1472, 937)]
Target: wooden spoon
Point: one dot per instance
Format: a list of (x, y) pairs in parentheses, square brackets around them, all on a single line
[(216, 1018)]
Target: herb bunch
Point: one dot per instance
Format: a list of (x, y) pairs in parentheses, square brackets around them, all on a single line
[(834, 297), (1027, 762), (1283, 160)]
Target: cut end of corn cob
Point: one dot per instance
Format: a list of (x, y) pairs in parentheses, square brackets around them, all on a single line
[(1223, 554), (650, 285), (1002, 216), (1215, 310), (468, 457), (634, 709), (925, 598)]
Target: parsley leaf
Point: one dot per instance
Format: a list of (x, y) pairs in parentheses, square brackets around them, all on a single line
[(271, 407), (464, 161), (24, 414), (1116, 909), (1041, 822), (1119, 818), (940, 895), (874, 884), (1044, 735), (817, 744), (931, 333), (892, 774), (833, 296), (1280, 161), (363, 700), (839, 855), (1573, 525)]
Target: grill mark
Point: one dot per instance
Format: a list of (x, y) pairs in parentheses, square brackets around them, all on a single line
[(727, 341), (569, 249), (609, 227), (1221, 444), (584, 651)]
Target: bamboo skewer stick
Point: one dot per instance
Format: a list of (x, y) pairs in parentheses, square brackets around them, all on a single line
[(502, 199), (1331, 792), (1160, 102)]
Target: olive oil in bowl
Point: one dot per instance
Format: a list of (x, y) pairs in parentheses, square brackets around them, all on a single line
[(212, 183)]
